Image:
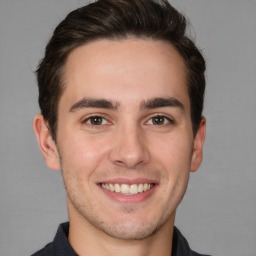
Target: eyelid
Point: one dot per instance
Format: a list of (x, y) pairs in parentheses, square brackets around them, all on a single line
[(87, 118), (168, 118)]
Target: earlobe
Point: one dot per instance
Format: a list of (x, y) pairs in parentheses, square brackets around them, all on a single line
[(197, 155), (46, 143)]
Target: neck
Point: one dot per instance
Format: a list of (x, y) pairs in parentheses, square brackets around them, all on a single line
[(86, 239)]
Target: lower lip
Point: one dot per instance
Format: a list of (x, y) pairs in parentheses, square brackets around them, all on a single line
[(129, 199)]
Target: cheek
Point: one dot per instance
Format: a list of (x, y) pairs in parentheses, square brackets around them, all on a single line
[(82, 155), (174, 157), (173, 151)]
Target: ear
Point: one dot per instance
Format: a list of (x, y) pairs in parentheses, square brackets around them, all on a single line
[(46, 143), (197, 155)]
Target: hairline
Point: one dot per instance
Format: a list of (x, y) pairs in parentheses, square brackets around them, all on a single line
[(128, 36)]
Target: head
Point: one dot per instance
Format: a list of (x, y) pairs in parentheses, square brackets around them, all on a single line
[(121, 93), (117, 20)]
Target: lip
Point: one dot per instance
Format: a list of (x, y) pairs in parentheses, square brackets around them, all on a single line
[(128, 199), (128, 181)]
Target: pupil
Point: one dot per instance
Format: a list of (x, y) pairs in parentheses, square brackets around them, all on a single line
[(158, 120), (96, 120)]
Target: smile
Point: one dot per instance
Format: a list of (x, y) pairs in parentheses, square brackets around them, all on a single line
[(126, 189)]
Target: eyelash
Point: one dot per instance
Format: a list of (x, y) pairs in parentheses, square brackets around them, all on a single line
[(167, 121), (95, 117)]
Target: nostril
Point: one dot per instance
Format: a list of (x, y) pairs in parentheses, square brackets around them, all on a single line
[(120, 163), (129, 152)]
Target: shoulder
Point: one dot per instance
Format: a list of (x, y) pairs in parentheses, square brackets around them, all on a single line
[(60, 245), (197, 254), (181, 246), (46, 251)]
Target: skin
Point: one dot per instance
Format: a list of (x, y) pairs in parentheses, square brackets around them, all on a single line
[(128, 144)]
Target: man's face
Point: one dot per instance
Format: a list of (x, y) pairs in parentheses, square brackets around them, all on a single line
[(124, 125)]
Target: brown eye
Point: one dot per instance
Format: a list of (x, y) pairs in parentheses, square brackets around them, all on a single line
[(95, 120), (158, 120)]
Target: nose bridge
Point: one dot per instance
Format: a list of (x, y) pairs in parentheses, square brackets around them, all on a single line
[(129, 145)]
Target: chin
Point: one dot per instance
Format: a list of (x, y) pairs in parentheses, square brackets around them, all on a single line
[(130, 231)]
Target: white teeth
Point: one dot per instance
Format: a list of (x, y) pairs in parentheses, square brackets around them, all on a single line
[(111, 187), (145, 187), (141, 188), (117, 188), (134, 189), (127, 189)]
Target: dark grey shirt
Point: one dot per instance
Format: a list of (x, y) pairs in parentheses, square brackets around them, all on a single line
[(61, 247)]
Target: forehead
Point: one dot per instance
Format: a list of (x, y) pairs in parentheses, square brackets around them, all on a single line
[(125, 70)]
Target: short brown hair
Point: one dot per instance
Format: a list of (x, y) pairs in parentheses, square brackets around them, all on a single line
[(116, 20)]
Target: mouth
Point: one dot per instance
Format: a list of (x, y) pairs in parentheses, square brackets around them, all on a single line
[(127, 189)]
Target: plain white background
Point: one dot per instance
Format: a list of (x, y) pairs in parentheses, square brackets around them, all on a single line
[(217, 215)]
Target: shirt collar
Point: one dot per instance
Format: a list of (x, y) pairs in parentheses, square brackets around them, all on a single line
[(61, 245)]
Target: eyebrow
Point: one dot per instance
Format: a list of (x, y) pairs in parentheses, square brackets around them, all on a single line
[(162, 102), (107, 104), (93, 103)]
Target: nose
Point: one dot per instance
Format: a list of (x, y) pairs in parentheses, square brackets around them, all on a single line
[(129, 148)]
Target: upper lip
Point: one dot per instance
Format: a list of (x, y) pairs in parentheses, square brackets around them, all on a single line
[(128, 181)]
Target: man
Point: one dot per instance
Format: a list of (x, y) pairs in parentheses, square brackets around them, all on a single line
[(121, 93)]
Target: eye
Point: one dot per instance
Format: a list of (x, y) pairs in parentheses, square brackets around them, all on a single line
[(95, 121), (160, 120)]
